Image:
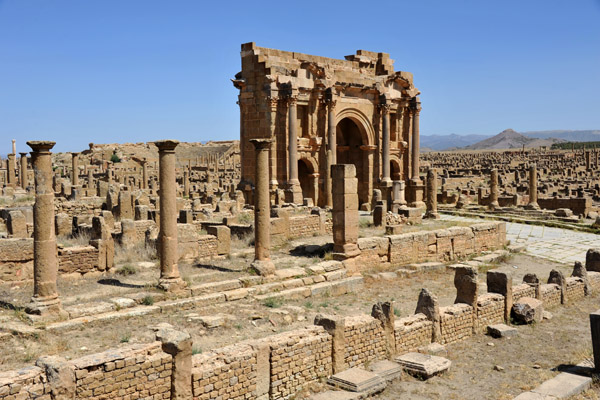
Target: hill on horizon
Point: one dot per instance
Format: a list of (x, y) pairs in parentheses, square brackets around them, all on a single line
[(511, 139)]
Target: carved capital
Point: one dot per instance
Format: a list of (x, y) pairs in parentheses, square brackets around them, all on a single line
[(272, 102), (330, 104), (292, 100), (385, 108)]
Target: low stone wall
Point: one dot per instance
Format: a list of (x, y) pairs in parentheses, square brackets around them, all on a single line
[(440, 245), (490, 311), (16, 260), (297, 358), (412, 332), (550, 294), (207, 246), (228, 373), (304, 226), (134, 372), (523, 290), (579, 205), (456, 323), (575, 288), (363, 336), (80, 259)]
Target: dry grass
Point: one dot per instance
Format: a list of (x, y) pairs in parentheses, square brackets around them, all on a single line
[(139, 252), (80, 239)]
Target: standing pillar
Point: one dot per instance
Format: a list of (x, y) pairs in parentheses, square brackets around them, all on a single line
[(11, 178), (14, 146), (186, 183), (415, 183), (315, 187), (345, 211), (262, 210), (75, 167), (331, 154), (45, 301), (493, 190), (385, 144), (588, 160), (169, 272), (432, 195), (23, 172), (294, 190), (144, 174), (595, 329), (533, 190), (273, 183)]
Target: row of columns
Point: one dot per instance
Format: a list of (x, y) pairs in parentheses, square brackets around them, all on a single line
[(45, 301)]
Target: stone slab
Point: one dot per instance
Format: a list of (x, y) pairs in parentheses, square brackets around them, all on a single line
[(387, 370), (564, 385), (337, 395), (358, 380), (501, 330), (423, 365), (533, 396)]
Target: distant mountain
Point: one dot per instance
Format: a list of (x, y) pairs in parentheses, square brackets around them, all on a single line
[(510, 139), (444, 142), (569, 136)]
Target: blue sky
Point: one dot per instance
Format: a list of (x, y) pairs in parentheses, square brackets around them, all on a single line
[(106, 71)]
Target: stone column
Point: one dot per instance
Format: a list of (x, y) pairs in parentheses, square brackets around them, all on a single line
[(11, 178), (186, 183), (345, 211), (385, 144), (399, 199), (45, 301), (493, 190), (533, 190), (315, 186), (432, 195), (23, 173), (14, 146), (588, 160), (295, 192), (415, 183), (144, 174), (273, 104), (262, 210), (169, 272), (331, 154), (75, 167)]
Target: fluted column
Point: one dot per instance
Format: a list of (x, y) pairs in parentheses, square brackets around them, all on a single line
[(144, 174), (23, 172), (262, 210), (169, 271), (415, 184), (75, 168), (273, 104), (45, 301)]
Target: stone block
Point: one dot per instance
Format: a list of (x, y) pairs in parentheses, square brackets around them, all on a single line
[(501, 330), (528, 310), (423, 365)]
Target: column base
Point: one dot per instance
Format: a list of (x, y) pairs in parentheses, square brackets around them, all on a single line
[(415, 194), (263, 267), (432, 215), (172, 284), (532, 206), (346, 251), (493, 206), (294, 194), (45, 309)]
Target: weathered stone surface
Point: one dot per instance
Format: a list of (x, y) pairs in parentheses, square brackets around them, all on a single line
[(592, 260), (465, 281), (501, 330), (388, 370), (358, 380), (528, 310), (423, 365), (429, 306)]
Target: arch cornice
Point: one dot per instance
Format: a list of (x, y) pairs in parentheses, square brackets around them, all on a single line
[(362, 121)]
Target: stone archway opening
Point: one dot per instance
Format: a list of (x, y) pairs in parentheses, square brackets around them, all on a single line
[(395, 171), (349, 140)]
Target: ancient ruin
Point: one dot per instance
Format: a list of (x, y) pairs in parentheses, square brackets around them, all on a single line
[(320, 256)]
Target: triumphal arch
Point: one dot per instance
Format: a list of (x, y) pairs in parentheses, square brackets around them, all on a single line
[(321, 111)]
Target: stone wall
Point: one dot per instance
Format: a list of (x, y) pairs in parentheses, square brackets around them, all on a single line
[(412, 332), (16, 260), (579, 205), (81, 259), (440, 245), (364, 340), (207, 246), (228, 373), (297, 358), (456, 323), (304, 226), (575, 288), (551, 295), (523, 290), (490, 310)]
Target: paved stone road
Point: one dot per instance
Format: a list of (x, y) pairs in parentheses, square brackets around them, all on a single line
[(556, 244)]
